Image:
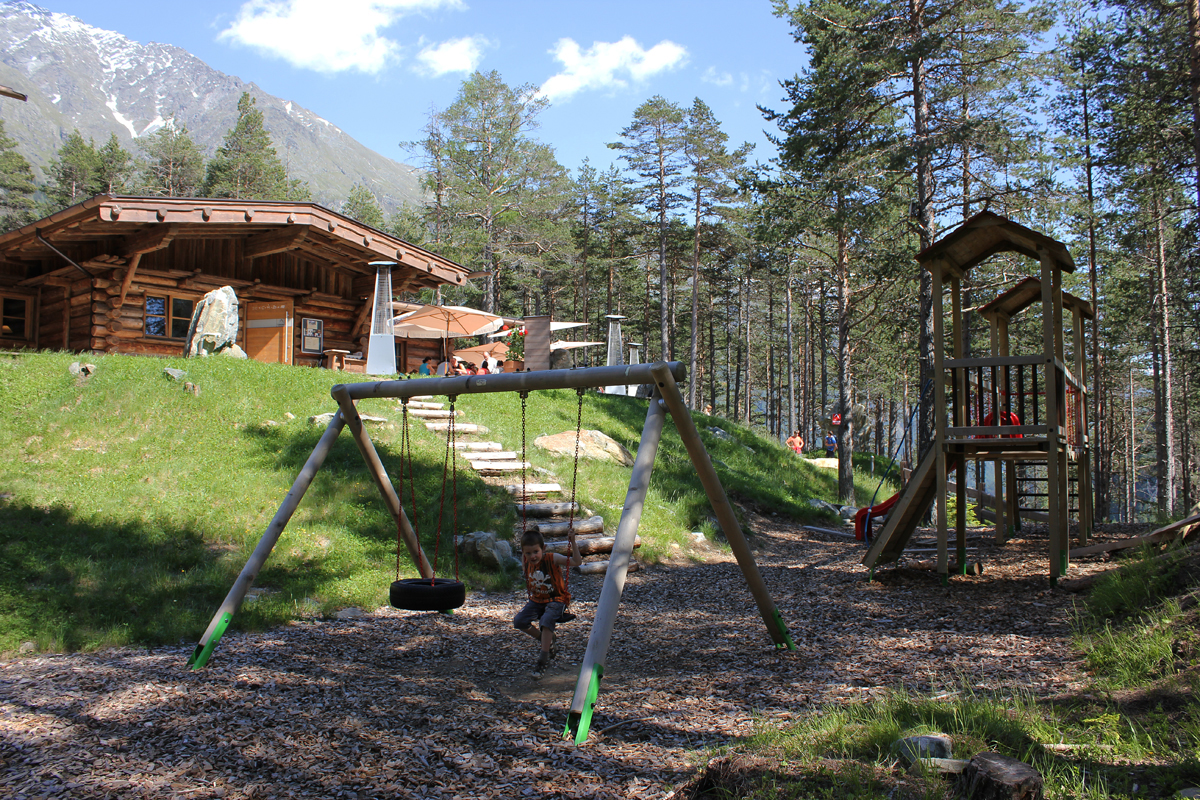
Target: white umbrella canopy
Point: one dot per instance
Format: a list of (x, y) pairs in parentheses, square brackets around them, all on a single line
[(494, 349), (445, 322)]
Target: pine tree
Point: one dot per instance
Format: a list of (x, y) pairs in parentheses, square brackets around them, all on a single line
[(502, 193), (174, 165), (74, 172), (114, 167), (246, 166), (16, 185), (653, 148), (361, 205), (711, 171)]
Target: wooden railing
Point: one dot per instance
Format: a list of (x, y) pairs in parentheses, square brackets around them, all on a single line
[(1002, 397)]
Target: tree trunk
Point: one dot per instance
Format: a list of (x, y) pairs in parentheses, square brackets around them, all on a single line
[(845, 431), (791, 355), (1167, 419), (1192, 8), (925, 218)]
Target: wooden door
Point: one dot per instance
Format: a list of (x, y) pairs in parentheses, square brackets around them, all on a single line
[(269, 331)]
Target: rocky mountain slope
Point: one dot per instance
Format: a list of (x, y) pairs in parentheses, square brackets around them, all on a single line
[(101, 82)]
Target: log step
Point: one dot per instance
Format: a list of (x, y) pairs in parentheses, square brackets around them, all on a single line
[(533, 488), (589, 546), (413, 404), (494, 455), (497, 467), (547, 509), (462, 427), (478, 447), (591, 525), (432, 413), (601, 567)]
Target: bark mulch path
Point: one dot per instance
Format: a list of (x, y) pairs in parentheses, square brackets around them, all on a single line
[(399, 704)]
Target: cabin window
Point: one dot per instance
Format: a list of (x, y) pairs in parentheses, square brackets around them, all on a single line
[(168, 316), (14, 317)]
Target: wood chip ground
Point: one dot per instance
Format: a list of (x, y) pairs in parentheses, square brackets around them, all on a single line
[(400, 704)]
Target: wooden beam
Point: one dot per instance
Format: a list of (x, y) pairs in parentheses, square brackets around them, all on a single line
[(279, 241), (130, 271), (153, 238)]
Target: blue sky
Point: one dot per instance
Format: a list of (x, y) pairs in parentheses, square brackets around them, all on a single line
[(376, 67)]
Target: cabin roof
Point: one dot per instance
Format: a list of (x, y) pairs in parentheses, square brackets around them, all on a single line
[(1024, 294), (984, 235), (120, 226)]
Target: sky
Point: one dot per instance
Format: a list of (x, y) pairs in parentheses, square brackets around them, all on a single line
[(375, 68)]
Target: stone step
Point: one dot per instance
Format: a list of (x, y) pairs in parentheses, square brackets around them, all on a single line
[(478, 447), (461, 427), (499, 467), (533, 488), (601, 567), (590, 525), (432, 413), (546, 509), (495, 455)]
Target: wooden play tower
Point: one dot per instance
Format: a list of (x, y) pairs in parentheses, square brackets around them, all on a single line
[(1026, 414)]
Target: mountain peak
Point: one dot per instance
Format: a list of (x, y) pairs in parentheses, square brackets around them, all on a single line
[(101, 82)]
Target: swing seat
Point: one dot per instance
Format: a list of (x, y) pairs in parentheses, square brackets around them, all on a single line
[(423, 594)]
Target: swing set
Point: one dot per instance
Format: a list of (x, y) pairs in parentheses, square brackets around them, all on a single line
[(450, 593)]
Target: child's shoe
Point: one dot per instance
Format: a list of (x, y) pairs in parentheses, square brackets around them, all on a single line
[(542, 662)]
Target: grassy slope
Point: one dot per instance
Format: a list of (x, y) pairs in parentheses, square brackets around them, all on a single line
[(130, 505)]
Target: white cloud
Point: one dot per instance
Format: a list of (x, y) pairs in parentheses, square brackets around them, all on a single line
[(717, 78), (314, 35), (608, 65), (453, 55)]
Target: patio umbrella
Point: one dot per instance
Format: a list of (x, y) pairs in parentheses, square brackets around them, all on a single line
[(445, 322), (474, 354)]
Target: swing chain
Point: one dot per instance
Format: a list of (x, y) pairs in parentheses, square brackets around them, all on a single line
[(524, 469), (454, 479), (575, 466)]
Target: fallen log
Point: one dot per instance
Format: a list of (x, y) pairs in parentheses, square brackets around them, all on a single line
[(600, 544), (1183, 528), (590, 525), (547, 509), (601, 567)]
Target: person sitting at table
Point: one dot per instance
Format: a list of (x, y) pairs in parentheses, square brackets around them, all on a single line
[(425, 371)]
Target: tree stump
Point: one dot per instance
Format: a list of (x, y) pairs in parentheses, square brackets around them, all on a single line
[(991, 776)]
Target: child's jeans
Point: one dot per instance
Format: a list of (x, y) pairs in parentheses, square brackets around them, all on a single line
[(546, 614)]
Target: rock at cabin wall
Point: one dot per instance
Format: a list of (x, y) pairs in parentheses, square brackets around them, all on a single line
[(214, 323)]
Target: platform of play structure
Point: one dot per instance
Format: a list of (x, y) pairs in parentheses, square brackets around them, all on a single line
[(1025, 414)]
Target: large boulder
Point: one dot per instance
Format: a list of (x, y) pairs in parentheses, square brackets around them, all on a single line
[(485, 548), (592, 444), (214, 323)]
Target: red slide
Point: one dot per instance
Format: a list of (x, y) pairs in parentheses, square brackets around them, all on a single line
[(860, 518)]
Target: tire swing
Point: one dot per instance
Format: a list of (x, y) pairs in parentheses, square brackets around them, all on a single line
[(427, 594)]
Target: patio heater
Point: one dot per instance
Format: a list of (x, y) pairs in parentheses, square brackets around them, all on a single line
[(616, 353), (381, 348), (634, 358)]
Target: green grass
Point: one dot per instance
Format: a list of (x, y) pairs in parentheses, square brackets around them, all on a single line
[(1134, 731), (128, 506)]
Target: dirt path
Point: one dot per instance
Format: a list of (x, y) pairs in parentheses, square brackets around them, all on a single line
[(399, 704)]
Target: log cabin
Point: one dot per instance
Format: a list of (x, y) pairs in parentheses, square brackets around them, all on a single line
[(117, 274)]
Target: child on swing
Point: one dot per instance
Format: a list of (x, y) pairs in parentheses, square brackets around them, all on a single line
[(546, 584)]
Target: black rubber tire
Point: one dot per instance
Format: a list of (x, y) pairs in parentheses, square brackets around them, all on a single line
[(419, 594)]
